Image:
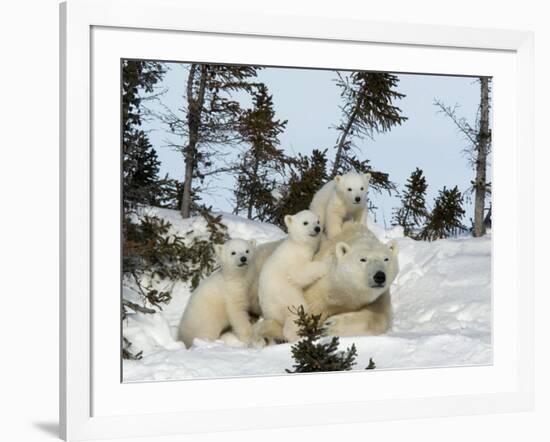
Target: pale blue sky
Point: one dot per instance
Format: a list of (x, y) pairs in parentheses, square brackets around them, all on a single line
[(309, 100)]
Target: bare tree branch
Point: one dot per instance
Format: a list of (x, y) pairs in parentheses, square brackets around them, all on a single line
[(460, 122), (137, 307)]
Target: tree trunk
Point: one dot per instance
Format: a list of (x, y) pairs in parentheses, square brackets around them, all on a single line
[(484, 138), (342, 141), (187, 183), (488, 221), (194, 110), (406, 230), (255, 180)]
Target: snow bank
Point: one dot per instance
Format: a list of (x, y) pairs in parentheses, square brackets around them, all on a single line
[(442, 314), (237, 226)]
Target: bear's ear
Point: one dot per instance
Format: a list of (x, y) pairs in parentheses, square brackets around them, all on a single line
[(288, 220), (341, 250), (252, 242), (393, 246), (218, 249), (367, 178), (337, 178)]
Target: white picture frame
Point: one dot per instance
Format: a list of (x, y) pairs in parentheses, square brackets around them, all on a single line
[(93, 401)]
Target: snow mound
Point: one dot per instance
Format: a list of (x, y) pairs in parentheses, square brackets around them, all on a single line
[(237, 227), (442, 314)]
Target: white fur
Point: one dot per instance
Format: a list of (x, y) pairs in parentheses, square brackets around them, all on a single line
[(287, 272), (224, 299), (342, 199), (349, 295)]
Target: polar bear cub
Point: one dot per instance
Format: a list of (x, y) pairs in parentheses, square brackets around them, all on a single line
[(342, 199), (223, 299), (288, 270)]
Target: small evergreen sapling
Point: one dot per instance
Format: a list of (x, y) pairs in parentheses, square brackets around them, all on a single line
[(306, 175), (413, 210), (446, 217), (311, 354)]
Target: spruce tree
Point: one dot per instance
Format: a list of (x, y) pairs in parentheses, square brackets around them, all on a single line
[(263, 161), (169, 192), (151, 249), (140, 164), (210, 120), (446, 217), (412, 212), (368, 109), (478, 138), (311, 353), (307, 174), (140, 182)]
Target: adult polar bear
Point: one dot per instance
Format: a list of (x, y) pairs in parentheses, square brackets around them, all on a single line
[(354, 297)]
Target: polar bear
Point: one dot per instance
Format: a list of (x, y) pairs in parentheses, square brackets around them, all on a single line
[(354, 296), (286, 272), (344, 198), (224, 299), (261, 253)]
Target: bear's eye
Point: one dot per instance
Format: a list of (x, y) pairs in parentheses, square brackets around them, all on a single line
[(386, 259), (362, 188), (247, 251), (363, 259), (305, 223), (233, 253), (349, 189)]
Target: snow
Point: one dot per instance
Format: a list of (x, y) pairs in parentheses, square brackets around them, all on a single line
[(441, 300), (237, 226)]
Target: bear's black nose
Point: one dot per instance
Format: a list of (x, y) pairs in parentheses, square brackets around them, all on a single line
[(243, 258), (357, 199), (379, 277), (317, 229)]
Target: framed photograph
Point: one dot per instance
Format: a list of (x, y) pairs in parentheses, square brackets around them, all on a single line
[(327, 221)]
